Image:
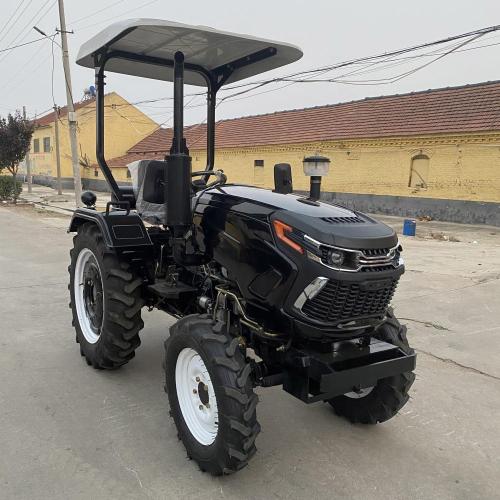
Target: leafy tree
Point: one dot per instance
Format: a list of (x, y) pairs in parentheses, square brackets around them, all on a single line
[(15, 139)]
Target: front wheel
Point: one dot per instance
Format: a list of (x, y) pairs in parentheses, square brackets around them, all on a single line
[(384, 400), (211, 395)]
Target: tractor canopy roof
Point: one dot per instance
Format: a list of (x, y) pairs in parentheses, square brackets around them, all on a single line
[(139, 47)]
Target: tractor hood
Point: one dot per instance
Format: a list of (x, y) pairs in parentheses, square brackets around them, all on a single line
[(326, 223)]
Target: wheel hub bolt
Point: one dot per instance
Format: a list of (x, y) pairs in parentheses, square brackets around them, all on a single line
[(200, 407), (195, 391), (197, 379)]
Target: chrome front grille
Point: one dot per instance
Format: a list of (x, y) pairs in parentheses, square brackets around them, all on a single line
[(366, 260), (353, 260), (375, 252)]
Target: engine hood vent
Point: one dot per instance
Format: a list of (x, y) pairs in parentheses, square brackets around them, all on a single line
[(343, 220)]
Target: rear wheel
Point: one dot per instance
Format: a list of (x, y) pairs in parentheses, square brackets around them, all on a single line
[(105, 301), (211, 395), (384, 400)]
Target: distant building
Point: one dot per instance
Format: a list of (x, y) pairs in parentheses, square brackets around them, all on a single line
[(435, 152), (125, 126)]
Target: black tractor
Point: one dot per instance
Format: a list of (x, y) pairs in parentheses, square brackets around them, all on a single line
[(268, 288)]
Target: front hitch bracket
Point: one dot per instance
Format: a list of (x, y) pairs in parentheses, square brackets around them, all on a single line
[(313, 376)]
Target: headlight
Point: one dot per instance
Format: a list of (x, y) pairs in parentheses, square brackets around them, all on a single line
[(335, 257)]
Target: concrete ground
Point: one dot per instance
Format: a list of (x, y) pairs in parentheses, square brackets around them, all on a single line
[(70, 432), (47, 198)]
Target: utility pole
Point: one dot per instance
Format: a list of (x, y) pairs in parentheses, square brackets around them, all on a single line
[(71, 109), (58, 156), (27, 159)]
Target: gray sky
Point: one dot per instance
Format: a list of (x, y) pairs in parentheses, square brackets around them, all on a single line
[(327, 31)]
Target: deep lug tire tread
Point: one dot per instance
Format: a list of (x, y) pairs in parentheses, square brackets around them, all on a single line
[(230, 374), (390, 394), (123, 303)]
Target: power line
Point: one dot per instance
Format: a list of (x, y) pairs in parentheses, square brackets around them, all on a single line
[(76, 21), (122, 13), (367, 61), (363, 65), (12, 82), (369, 58), (11, 16), (23, 44), (18, 17), (30, 23), (471, 37)]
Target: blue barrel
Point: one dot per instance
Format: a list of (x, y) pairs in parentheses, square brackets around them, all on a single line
[(409, 227)]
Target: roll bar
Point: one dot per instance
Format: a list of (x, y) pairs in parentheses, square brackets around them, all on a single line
[(214, 79)]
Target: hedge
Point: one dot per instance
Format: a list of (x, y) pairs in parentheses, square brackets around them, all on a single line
[(7, 187)]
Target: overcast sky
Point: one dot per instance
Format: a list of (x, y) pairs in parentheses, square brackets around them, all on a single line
[(327, 31)]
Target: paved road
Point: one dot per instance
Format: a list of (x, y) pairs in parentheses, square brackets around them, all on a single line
[(70, 432)]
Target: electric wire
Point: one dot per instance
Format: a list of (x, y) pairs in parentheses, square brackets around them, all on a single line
[(23, 44), (29, 23), (371, 61), (114, 18), (76, 21), (18, 17), (363, 65)]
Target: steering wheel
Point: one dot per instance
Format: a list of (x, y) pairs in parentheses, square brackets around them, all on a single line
[(221, 179)]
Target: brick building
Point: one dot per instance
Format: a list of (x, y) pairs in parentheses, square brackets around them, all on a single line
[(435, 152), (125, 126)]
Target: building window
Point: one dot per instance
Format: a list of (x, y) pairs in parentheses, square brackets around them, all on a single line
[(96, 173), (419, 172), (258, 173), (46, 144), (129, 175), (36, 145)]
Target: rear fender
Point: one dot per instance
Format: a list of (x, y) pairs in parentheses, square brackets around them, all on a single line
[(120, 229)]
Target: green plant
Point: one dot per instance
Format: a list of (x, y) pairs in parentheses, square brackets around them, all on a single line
[(7, 189), (15, 138)]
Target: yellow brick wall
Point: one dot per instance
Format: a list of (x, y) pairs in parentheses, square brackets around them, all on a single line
[(125, 125), (461, 167), (42, 163)]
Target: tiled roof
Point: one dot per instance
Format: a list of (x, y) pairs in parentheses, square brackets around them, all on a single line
[(123, 161), (63, 111), (470, 108)]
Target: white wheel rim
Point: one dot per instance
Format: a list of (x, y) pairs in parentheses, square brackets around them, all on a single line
[(89, 332), (196, 396), (359, 394)]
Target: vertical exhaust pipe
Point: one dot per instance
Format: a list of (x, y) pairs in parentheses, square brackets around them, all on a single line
[(178, 174), (178, 139)]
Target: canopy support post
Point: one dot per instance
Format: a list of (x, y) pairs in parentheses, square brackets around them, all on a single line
[(211, 105), (99, 83)]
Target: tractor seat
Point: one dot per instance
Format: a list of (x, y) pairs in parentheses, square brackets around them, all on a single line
[(148, 182)]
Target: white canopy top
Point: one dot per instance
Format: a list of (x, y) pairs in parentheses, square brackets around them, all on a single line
[(201, 45)]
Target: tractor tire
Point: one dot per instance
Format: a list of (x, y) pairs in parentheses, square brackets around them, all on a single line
[(105, 301), (211, 396), (384, 400)]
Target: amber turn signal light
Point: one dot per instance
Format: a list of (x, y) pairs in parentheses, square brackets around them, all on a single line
[(281, 232)]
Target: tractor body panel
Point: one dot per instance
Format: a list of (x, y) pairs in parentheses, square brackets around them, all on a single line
[(234, 225), (120, 228)]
